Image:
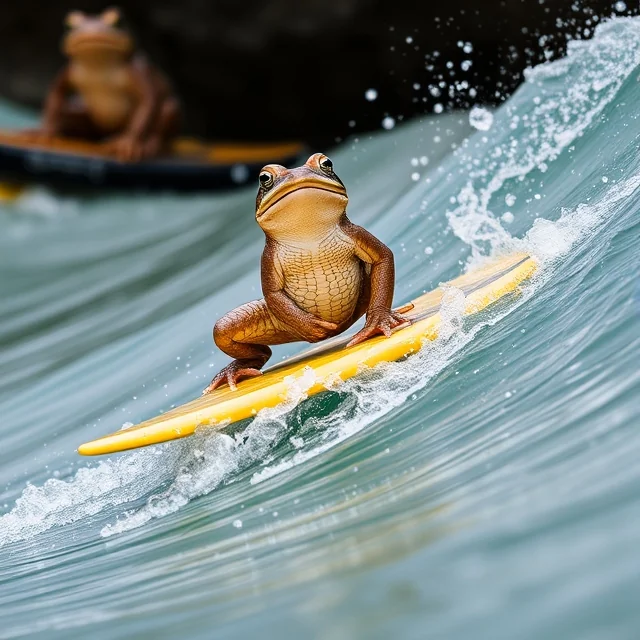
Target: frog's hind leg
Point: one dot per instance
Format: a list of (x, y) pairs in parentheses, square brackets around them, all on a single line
[(244, 334), (75, 121)]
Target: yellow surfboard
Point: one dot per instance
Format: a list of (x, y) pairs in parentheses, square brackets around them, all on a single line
[(10, 191), (328, 361)]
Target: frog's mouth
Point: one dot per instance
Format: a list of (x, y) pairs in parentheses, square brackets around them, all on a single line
[(295, 186), (93, 42)]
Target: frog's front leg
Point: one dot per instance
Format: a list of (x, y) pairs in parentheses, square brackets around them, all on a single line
[(244, 334), (129, 145), (164, 128), (379, 284)]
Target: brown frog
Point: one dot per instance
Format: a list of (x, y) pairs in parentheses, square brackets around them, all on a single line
[(109, 92), (320, 272)]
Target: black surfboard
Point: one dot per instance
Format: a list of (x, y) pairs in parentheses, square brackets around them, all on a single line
[(189, 166)]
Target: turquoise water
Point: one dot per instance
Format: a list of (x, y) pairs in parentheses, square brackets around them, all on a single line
[(487, 487)]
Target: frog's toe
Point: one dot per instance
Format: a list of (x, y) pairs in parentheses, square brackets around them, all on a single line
[(152, 147), (240, 374), (231, 375)]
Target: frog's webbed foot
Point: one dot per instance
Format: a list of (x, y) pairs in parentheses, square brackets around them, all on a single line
[(233, 373), (380, 322), (152, 147), (38, 134), (126, 148)]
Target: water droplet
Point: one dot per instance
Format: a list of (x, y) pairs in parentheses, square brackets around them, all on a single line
[(605, 179), (237, 524), (480, 118), (510, 199), (388, 123), (370, 94), (409, 40), (620, 6), (438, 108), (415, 176), (428, 250), (239, 173), (507, 216)]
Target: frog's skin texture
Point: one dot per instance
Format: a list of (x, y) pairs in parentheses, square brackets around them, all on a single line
[(320, 272), (108, 92)]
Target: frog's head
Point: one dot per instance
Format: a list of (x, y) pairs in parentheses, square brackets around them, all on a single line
[(97, 37), (301, 203)]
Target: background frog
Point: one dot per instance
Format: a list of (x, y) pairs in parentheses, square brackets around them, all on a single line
[(320, 272), (107, 91)]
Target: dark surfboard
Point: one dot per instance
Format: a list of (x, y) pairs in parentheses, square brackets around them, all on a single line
[(189, 166)]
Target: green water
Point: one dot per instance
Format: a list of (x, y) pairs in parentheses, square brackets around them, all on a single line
[(487, 487)]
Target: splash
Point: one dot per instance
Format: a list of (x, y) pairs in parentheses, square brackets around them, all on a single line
[(44, 203), (90, 491), (549, 241), (531, 132), (380, 390), (214, 457)]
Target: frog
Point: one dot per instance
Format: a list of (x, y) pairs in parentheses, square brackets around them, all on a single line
[(109, 92), (319, 272)]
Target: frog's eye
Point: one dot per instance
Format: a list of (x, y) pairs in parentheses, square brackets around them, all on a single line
[(111, 17), (266, 179), (326, 164), (74, 19)]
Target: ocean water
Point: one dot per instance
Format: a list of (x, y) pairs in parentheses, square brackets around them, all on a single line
[(488, 487)]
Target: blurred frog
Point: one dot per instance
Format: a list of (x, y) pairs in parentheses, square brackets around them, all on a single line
[(108, 92)]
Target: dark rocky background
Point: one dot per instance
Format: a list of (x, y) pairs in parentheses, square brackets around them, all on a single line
[(284, 69)]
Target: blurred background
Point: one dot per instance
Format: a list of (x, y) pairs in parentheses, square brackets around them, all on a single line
[(292, 69)]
